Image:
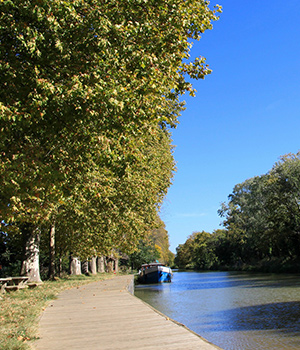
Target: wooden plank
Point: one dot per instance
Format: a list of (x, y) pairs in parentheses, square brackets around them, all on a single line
[(11, 288), (105, 316)]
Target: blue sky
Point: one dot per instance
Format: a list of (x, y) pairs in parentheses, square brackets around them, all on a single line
[(245, 115)]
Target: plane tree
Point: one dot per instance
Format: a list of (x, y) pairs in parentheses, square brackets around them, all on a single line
[(84, 85)]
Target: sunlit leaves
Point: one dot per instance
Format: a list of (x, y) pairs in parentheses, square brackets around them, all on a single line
[(90, 89), (262, 214)]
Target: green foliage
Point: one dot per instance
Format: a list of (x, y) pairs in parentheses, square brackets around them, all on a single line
[(153, 247), (198, 252), (263, 213), (90, 89), (160, 237), (184, 254), (262, 225), (145, 254)]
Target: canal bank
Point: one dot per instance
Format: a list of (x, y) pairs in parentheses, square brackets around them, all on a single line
[(233, 310), (104, 315)]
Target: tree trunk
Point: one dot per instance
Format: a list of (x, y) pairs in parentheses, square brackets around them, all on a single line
[(51, 272), (30, 265), (93, 265), (101, 264), (116, 265), (59, 266), (85, 267), (75, 266), (110, 265)]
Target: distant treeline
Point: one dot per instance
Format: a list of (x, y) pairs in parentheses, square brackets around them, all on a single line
[(261, 226)]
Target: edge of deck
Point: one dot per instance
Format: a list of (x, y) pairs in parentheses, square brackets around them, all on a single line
[(107, 315), (171, 319)]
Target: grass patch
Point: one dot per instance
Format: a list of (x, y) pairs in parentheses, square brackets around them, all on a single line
[(20, 310)]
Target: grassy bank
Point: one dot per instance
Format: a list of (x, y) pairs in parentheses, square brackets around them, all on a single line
[(20, 310)]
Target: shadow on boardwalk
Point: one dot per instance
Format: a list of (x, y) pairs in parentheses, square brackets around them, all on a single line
[(105, 316)]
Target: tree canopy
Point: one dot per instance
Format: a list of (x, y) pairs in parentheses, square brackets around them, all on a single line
[(261, 221), (154, 246), (90, 89)]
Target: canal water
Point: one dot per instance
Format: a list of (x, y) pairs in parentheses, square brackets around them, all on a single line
[(236, 311)]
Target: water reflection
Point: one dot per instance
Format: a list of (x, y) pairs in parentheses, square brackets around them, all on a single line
[(233, 310)]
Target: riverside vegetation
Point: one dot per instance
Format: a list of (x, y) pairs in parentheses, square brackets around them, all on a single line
[(261, 226)]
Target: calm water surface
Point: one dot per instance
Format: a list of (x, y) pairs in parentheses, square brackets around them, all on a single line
[(235, 311)]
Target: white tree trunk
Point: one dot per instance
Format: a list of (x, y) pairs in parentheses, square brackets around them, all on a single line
[(101, 264), (75, 266), (30, 265), (93, 265)]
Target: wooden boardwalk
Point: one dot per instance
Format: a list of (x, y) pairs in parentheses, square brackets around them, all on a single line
[(105, 316)]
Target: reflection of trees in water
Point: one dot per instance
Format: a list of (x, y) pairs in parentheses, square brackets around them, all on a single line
[(217, 280), (283, 316)]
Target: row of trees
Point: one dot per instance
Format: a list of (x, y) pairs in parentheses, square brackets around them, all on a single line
[(90, 90), (153, 247), (261, 221)]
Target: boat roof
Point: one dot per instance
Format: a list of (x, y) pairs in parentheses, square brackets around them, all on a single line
[(153, 264)]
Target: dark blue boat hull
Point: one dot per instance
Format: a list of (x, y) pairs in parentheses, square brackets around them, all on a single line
[(155, 277)]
